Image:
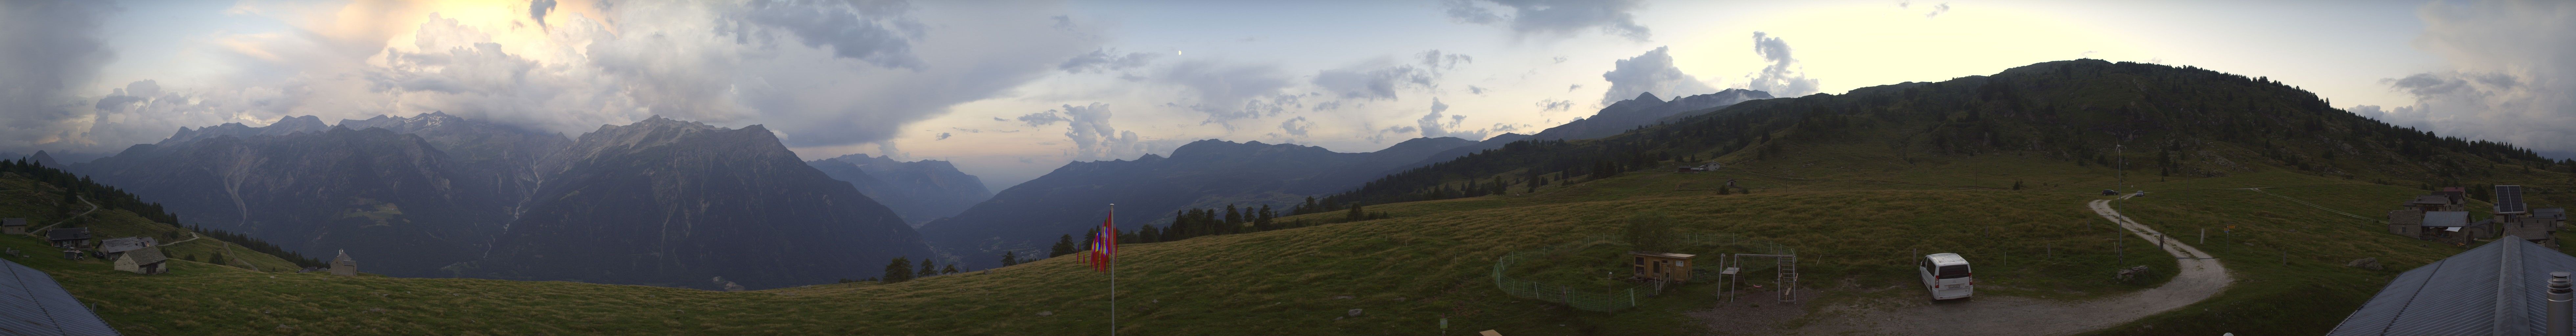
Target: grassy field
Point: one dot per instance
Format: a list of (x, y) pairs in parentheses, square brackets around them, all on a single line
[(1855, 226)]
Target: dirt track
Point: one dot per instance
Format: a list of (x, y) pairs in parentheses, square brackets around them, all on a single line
[(2200, 278)]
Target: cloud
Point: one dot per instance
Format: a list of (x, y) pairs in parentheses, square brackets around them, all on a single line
[(1558, 59), (1652, 72), (1382, 134), (1551, 18), (1050, 117), (1472, 89), (537, 11), (1435, 124), (942, 136), (2510, 62), (53, 47), (1000, 119), (1106, 60), (1380, 78), (1296, 127), (1228, 92), (1783, 77), (1571, 88), (1937, 10), (1554, 105), (1093, 138), (879, 32)]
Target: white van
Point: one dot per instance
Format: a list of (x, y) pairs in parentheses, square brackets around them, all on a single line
[(1946, 275)]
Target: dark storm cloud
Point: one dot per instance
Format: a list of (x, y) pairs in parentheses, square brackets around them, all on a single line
[(878, 32), (52, 47), (2510, 61), (537, 10), (1551, 18), (1228, 92)]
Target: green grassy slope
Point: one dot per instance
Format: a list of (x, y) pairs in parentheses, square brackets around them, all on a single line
[(1431, 261), (40, 204)]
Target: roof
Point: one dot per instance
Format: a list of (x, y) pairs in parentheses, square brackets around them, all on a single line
[(343, 258), (114, 245), (2446, 218), (1661, 254), (2495, 289), (13, 222), (147, 256), (1947, 259), (32, 304), (2536, 228), (2431, 199), (2406, 217), (2550, 213), (67, 234)]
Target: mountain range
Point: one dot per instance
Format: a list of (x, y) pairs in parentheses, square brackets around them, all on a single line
[(676, 203), (1028, 217)]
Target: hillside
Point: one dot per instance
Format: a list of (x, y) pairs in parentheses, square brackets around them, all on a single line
[(2162, 121), (919, 191), (1855, 203), (49, 198)]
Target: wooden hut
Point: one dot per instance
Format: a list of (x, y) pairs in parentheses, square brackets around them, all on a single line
[(2449, 226), (2408, 223), (2538, 230), (68, 237), (115, 246), (147, 260), (15, 226), (1659, 266), (342, 265)]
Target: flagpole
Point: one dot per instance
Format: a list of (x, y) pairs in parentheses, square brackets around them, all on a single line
[(1113, 269)]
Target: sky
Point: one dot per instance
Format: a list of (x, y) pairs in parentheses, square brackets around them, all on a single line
[(1012, 90)]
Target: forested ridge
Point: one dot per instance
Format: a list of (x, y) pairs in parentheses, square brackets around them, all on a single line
[(2173, 121)]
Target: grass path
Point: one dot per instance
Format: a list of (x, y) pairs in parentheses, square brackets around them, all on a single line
[(2314, 205), (39, 232), (2200, 278)]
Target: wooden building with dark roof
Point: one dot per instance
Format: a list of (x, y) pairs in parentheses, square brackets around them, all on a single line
[(68, 237), (15, 226)]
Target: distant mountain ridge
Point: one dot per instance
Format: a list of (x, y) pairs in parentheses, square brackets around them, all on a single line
[(1208, 173), (673, 203), (919, 191), (1644, 110)]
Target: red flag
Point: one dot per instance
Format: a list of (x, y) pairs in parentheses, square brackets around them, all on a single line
[(1104, 244)]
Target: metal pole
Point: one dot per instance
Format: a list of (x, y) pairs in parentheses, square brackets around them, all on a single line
[(1113, 273)]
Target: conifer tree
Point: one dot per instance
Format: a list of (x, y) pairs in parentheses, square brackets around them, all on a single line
[(951, 269), (899, 270), (927, 269), (1010, 258), (1063, 246)]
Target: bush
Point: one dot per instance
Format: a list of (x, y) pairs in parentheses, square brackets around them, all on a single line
[(1650, 231)]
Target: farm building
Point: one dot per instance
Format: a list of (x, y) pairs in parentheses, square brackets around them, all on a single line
[(1659, 266), (147, 260), (2408, 223), (342, 265), (2538, 230), (115, 246), (36, 305), (2495, 289), (2430, 203), (15, 226), (2450, 227), (68, 237)]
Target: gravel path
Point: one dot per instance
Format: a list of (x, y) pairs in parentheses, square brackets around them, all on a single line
[(2200, 278)]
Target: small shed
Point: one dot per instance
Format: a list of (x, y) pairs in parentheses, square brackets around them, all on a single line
[(1673, 267), (2409, 223), (147, 260), (68, 237), (342, 265), (15, 226)]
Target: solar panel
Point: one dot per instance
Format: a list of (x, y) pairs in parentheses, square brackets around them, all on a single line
[(2508, 199)]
